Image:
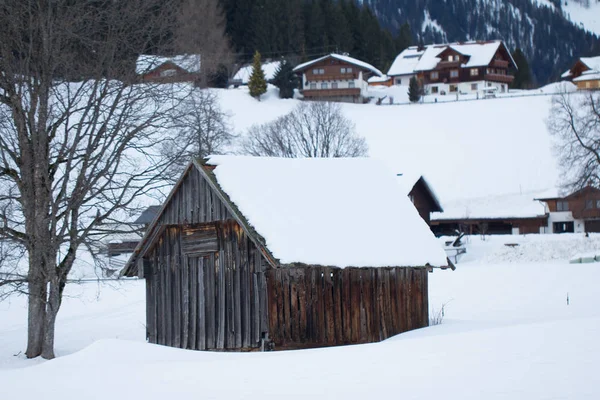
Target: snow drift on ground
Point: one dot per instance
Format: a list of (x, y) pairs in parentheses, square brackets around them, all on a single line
[(507, 333), (329, 211)]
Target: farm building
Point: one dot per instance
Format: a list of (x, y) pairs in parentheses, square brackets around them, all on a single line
[(252, 252), (421, 194), (179, 68)]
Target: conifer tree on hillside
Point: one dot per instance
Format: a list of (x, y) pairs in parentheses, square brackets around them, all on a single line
[(404, 38), (523, 74), (414, 90), (257, 83), (286, 80)]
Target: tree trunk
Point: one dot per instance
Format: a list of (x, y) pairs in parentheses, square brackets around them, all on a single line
[(52, 307), (35, 318)]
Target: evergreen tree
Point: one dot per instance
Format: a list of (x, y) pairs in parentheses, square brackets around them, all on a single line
[(286, 80), (404, 38), (414, 90), (257, 83), (523, 74)]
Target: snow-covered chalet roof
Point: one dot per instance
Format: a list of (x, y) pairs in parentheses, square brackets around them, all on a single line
[(343, 58), (590, 75), (592, 62), (147, 62), (269, 68), (328, 211), (513, 205), (378, 79), (415, 59)]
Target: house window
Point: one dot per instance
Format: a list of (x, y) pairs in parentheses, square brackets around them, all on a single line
[(351, 84), (562, 206), (589, 204), (502, 88), (434, 75), (563, 227), (450, 58), (454, 73), (343, 70), (398, 81), (334, 85), (474, 71), (324, 85), (597, 203), (453, 88), (315, 71), (348, 70), (474, 87), (318, 71), (489, 71), (489, 84), (168, 72), (313, 86), (434, 90)]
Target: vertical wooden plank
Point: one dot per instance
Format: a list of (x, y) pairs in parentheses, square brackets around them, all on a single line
[(237, 288), (302, 303), (294, 317), (203, 304), (286, 321), (256, 308), (210, 283), (177, 302), (168, 293), (185, 306), (329, 309), (425, 291), (364, 281), (338, 305), (264, 310), (220, 320), (230, 291), (245, 288), (355, 311), (347, 302), (191, 265)]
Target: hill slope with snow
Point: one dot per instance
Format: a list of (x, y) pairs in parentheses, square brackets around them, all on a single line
[(466, 149), (586, 17)]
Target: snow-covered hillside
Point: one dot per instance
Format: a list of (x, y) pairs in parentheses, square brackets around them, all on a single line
[(508, 332), (587, 18), (466, 149)]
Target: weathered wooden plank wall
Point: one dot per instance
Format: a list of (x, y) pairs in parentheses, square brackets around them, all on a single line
[(322, 306), (206, 288)]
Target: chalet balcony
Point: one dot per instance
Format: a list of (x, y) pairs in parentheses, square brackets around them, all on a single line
[(448, 64), (586, 213), (332, 77), (499, 78), (499, 64), (331, 92)]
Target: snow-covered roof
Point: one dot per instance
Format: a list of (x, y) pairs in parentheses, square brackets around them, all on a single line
[(406, 62), (592, 62), (328, 211), (514, 205), (415, 59), (588, 76), (378, 79), (343, 58), (147, 62), (566, 74), (269, 68)]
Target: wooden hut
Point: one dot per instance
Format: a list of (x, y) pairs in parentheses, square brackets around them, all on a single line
[(250, 252)]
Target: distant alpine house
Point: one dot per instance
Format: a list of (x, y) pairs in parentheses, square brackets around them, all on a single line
[(466, 67), (180, 68), (336, 77), (249, 253), (585, 73)]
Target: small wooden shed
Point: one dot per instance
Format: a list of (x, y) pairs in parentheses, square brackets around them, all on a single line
[(250, 253)]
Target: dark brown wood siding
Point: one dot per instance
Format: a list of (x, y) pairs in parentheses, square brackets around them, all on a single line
[(423, 201), (205, 282), (322, 306)]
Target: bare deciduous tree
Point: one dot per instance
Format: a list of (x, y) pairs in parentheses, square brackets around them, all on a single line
[(202, 129), (77, 145), (312, 129), (575, 123)]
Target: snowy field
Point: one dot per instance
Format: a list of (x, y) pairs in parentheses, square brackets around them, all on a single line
[(465, 149), (507, 333)]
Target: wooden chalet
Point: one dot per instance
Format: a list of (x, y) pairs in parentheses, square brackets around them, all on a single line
[(336, 77), (180, 68), (253, 253), (576, 212), (585, 73), (506, 214), (462, 67)]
